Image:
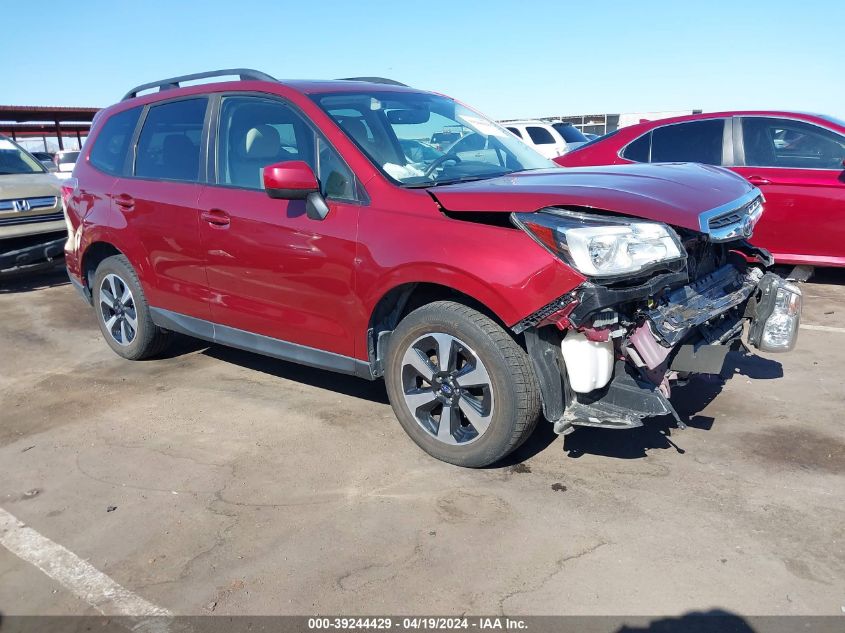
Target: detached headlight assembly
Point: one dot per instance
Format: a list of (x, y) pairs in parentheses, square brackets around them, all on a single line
[(777, 315), (603, 247)]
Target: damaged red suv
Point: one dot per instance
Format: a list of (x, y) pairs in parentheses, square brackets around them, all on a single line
[(313, 221)]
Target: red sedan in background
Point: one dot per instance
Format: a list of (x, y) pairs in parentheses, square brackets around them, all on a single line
[(795, 159)]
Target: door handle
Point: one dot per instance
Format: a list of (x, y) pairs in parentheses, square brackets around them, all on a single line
[(759, 180), (125, 202), (216, 217)]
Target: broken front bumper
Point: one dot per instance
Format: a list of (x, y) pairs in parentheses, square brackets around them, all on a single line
[(690, 330)]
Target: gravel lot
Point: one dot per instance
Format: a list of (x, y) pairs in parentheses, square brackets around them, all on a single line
[(245, 485)]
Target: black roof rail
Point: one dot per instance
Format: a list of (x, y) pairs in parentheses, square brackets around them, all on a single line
[(245, 74), (375, 80)]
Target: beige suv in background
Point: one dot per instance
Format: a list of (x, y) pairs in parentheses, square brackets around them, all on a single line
[(32, 225)]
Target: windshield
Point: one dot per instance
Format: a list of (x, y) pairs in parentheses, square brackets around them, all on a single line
[(420, 139), (570, 133), (13, 160)]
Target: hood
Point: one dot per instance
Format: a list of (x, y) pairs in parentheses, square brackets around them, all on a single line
[(17, 186), (673, 193)]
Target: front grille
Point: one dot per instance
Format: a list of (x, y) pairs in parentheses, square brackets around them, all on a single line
[(725, 220), (28, 204), (733, 221), (30, 219)]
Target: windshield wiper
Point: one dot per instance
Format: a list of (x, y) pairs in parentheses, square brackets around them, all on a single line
[(454, 181)]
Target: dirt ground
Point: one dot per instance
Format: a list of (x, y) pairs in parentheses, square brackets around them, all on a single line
[(217, 481)]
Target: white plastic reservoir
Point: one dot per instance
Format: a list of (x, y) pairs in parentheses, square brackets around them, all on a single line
[(589, 364)]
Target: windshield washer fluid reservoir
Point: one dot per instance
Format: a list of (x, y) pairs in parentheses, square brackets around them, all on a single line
[(589, 364)]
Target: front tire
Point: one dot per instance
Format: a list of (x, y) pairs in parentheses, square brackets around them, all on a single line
[(123, 313), (460, 386)]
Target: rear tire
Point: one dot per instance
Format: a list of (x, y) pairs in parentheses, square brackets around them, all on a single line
[(447, 359), (123, 313)]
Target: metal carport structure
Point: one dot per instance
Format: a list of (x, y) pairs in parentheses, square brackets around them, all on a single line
[(29, 122)]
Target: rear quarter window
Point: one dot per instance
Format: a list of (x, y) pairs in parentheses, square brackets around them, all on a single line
[(112, 143), (638, 151)]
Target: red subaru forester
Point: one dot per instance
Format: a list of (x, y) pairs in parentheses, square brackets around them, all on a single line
[(314, 222)]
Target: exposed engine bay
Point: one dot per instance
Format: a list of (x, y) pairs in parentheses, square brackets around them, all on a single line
[(608, 354)]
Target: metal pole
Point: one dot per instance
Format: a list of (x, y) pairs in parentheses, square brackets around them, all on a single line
[(59, 136)]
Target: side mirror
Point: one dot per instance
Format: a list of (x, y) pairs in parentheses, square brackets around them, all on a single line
[(295, 180), (292, 180)]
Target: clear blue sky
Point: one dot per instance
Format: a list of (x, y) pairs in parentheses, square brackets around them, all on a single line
[(508, 59)]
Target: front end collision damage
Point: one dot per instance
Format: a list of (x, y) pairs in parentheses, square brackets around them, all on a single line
[(653, 334)]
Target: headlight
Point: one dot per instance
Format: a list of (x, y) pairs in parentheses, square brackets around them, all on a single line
[(599, 246), (777, 315)]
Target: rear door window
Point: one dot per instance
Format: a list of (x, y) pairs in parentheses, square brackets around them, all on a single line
[(169, 144), (771, 142), (540, 135), (691, 142), (112, 143)]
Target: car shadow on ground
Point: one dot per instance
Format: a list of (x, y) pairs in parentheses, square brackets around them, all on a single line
[(712, 621), (830, 276), (752, 366), (36, 280), (689, 401), (373, 391)]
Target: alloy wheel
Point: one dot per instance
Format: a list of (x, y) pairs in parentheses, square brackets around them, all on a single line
[(447, 388), (117, 307)]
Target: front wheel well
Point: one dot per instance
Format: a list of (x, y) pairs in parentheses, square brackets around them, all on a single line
[(404, 299)]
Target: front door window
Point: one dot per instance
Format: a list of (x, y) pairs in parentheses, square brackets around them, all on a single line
[(255, 132)]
